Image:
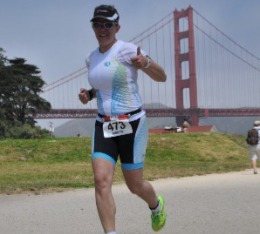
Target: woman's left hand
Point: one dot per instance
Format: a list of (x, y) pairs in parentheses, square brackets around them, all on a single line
[(139, 61)]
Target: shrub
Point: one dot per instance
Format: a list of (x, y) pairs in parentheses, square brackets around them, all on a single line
[(25, 131)]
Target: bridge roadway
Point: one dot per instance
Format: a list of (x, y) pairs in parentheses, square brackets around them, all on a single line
[(163, 112)]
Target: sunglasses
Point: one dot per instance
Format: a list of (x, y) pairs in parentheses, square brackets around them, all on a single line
[(106, 25)]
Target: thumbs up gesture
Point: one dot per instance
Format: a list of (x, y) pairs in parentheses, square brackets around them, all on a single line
[(138, 51), (139, 60)]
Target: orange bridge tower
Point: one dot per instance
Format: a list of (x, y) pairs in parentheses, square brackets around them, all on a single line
[(185, 70)]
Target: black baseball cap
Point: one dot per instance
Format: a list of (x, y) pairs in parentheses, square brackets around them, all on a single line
[(106, 12)]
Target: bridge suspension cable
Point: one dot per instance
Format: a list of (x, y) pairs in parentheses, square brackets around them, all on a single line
[(65, 79), (227, 73)]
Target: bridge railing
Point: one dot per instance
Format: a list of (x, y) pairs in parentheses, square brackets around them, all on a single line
[(163, 112)]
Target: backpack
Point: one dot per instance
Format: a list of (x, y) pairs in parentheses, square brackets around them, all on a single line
[(252, 137)]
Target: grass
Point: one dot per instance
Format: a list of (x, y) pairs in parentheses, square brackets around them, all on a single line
[(56, 164)]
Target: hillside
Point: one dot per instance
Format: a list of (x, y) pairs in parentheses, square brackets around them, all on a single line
[(59, 163)]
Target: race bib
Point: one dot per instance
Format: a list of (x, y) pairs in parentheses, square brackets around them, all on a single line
[(117, 128)]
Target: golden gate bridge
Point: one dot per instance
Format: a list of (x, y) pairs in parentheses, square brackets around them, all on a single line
[(208, 74)]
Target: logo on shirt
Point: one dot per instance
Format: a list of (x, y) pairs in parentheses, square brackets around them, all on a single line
[(107, 64)]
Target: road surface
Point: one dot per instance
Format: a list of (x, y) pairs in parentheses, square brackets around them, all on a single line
[(216, 204)]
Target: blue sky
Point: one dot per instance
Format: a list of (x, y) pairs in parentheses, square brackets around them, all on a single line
[(56, 35)]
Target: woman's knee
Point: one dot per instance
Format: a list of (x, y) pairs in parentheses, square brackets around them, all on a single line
[(102, 182), (134, 180), (103, 173), (135, 188)]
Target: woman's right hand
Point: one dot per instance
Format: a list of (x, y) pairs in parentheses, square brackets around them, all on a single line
[(83, 96)]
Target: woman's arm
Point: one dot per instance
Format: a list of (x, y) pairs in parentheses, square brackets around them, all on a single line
[(149, 67), (154, 70)]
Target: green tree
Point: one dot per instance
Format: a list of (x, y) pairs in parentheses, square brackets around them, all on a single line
[(22, 94), (20, 88), (3, 77)]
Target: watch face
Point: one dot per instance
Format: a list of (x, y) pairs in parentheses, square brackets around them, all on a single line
[(148, 62)]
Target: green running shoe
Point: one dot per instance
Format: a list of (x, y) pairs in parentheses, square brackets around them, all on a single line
[(158, 220)]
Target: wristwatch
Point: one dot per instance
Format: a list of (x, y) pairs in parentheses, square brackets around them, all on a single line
[(148, 63)]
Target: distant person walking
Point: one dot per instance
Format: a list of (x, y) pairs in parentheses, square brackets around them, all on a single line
[(254, 149), (121, 125), (185, 125)]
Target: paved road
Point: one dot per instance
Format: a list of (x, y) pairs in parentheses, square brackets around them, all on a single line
[(212, 204)]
